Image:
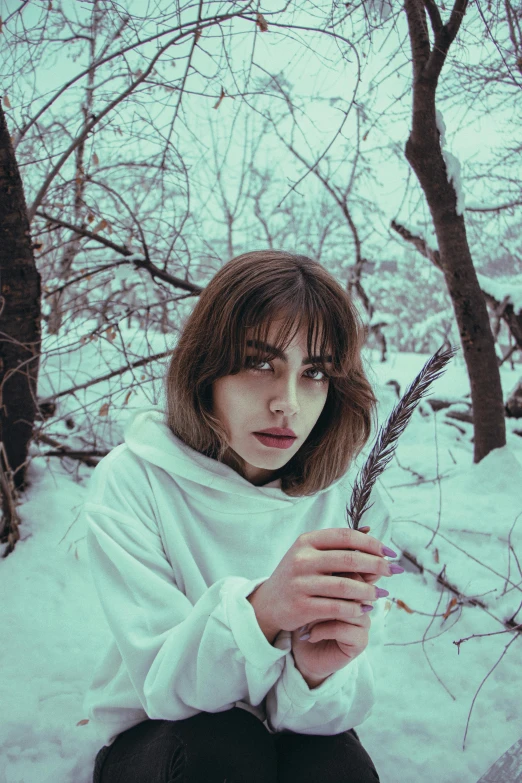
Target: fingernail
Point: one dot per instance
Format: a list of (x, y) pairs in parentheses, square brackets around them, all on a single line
[(381, 592), (396, 569), (366, 608), (303, 629), (387, 552), (304, 637)]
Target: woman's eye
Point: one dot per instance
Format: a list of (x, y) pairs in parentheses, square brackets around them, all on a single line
[(256, 368)]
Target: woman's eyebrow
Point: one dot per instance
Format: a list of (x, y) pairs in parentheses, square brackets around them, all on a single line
[(280, 354)]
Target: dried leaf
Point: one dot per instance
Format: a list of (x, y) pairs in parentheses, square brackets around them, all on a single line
[(436, 555), (111, 334), (220, 98), (104, 410), (100, 226), (143, 377), (7, 102), (197, 36), (404, 606), (450, 607), (83, 722), (387, 606), (1, 24), (261, 23), (95, 159), (90, 217), (125, 401)]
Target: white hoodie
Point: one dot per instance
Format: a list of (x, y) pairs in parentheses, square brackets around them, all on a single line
[(176, 542)]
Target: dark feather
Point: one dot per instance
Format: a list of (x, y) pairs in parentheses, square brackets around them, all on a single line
[(386, 441)]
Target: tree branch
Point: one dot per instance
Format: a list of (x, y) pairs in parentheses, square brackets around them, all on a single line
[(444, 37), (419, 35), (433, 12), (109, 375), (192, 29), (65, 451), (139, 263), (455, 20), (512, 320), (499, 208)]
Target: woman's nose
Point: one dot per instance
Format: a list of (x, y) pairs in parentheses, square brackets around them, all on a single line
[(286, 397)]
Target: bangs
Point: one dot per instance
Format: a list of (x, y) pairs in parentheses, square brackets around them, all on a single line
[(324, 338)]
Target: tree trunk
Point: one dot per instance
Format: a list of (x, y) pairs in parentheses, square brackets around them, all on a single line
[(20, 330), (424, 153)]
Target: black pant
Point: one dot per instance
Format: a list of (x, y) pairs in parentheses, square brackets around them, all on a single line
[(230, 747)]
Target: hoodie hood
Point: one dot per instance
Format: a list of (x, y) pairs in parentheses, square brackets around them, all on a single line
[(148, 436)]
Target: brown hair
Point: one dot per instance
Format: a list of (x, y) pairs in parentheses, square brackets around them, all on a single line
[(251, 291)]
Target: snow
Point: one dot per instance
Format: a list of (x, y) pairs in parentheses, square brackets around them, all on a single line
[(502, 288), (54, 631), (453, 166)]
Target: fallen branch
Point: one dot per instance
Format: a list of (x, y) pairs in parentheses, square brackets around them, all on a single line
[(441, 579), (517, 628), (64, 451)]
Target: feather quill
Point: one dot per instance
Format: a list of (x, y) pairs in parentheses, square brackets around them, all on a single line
[(388, 435)]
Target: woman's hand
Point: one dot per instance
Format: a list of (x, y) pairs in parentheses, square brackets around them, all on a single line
[(368, 578), (332, 644), (304, 589)]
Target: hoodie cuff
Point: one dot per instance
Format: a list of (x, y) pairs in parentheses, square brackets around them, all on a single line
[(242, 621), (296, 687)]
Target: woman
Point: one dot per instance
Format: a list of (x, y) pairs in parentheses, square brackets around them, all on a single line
[(212, 546)]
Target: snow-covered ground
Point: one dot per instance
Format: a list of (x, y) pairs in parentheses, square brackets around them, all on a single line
[(53, 629)]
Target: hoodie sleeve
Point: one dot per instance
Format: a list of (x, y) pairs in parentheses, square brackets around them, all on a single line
[(345, 698), (182, 659)]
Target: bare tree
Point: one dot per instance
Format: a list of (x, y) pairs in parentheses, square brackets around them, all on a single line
[(424, 153)]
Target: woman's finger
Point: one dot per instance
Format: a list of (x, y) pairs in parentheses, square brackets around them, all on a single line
[(345, 633)]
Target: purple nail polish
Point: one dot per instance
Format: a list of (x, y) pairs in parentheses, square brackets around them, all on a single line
[(305, 636), (366, 608), (387, 552), (396, 569), (381, 592)]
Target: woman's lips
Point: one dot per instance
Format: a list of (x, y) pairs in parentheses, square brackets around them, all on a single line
[(274, 441)]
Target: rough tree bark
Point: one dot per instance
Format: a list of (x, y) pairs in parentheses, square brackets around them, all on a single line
[(424, 153), (20, 324)]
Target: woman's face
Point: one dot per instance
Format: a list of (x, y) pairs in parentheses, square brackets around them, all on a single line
[(283, 392)]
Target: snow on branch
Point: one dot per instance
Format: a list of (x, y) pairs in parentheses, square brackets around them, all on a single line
[(453, 166)]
